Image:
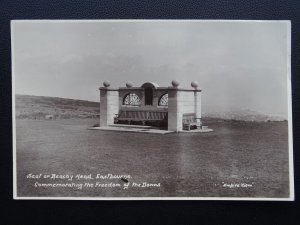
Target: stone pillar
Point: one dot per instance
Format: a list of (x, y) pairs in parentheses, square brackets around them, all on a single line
[(174, 112), (197, 98), (109, 104)]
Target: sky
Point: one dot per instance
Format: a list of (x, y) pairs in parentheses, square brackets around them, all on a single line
[(238, 65)]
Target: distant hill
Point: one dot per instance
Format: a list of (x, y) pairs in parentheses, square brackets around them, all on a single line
[(40, 107), (243, 115)]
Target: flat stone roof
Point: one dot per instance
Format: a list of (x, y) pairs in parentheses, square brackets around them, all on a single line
[(140, 88)]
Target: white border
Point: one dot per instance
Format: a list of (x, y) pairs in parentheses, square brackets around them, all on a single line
[(290, 116), (13, 111), (290, 122)]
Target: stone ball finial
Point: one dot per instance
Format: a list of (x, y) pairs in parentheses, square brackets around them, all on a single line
[(129, 84), (106, 83), (194, 84), (175, 83)]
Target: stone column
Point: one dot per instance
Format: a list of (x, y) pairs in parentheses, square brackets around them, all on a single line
[(109, 104), (198, 104), (197, 99), (174, 112)]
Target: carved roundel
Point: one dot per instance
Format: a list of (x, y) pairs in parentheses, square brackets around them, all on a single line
[(131, 99), (163, 101)]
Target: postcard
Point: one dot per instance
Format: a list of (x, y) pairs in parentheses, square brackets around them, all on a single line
[(152, 110)]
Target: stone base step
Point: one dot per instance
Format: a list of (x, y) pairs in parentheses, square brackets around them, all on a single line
[(131, 129), (131, 126)]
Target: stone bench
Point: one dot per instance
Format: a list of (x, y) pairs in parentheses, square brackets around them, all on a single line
[(141, 116), (189, 120)]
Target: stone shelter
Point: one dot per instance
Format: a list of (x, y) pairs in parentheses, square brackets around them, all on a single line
[(172, 108)]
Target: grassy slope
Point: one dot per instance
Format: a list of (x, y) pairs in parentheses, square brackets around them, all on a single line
[(185, 164), (37, 107)]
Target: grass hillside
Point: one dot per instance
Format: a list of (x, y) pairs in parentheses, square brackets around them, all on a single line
[(185, 164), (40, 107)]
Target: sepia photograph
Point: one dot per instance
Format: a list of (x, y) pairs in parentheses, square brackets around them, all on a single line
[(152, 110)]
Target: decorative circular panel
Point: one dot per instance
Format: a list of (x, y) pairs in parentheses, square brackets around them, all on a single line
[(131, 99), (163, 101)]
